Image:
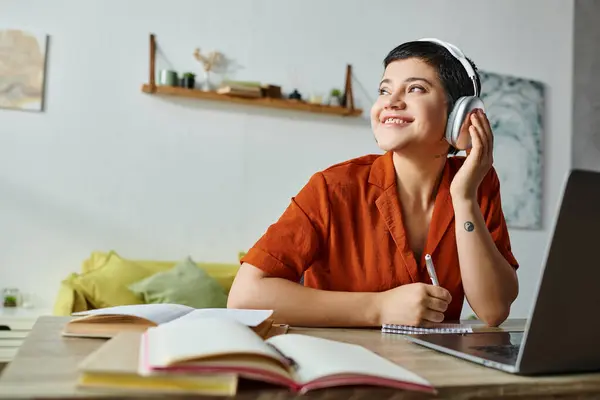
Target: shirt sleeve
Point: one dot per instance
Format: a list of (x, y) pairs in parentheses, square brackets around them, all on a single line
[(494, 218), (293, 243)]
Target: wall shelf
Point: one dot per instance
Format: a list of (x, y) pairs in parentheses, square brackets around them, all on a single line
[(278, 103), (262, 102)]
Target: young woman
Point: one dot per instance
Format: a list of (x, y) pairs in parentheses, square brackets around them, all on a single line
[(358, 232)]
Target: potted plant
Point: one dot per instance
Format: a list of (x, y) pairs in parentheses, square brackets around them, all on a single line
[(10, 297), (335, 97), (188, 80), (10, 301)]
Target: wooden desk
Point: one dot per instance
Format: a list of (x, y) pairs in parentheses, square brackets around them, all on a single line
[(15, 325), (46, 366)]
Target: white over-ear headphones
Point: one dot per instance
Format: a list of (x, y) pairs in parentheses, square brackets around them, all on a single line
[(464, 105)]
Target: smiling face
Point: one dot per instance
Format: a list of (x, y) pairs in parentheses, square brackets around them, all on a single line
[(411, 111)]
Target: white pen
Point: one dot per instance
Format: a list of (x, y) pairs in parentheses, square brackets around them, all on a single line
[(431, 270)]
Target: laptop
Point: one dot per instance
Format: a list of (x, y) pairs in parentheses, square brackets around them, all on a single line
[(562, 333)]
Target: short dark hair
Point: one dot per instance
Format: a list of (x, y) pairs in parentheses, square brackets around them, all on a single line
[(452, 74)]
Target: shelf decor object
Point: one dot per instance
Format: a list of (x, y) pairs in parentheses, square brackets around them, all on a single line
[(346, 109)]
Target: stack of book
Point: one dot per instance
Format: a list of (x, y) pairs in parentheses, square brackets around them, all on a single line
[(211, 354), (241, 89), (249, 89)]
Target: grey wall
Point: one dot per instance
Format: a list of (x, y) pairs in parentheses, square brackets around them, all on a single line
[(586, 85)]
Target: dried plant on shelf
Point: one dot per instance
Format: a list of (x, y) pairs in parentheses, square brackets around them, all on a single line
[(208, 62)]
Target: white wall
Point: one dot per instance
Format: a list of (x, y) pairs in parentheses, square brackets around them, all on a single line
[(106, 166), (586, 86)]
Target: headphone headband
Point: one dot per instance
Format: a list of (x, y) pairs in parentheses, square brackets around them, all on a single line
[(460, 56)]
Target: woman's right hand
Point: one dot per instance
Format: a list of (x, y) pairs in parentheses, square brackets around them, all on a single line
[(415, 304)]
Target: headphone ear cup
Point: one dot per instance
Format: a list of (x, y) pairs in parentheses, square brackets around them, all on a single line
[(457, 127)]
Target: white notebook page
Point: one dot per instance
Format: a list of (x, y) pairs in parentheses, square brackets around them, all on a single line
[(246, 317), (318, 358), (203, 337), (157, 313)]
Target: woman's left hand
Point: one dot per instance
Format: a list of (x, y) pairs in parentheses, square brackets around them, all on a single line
[(479, 159)]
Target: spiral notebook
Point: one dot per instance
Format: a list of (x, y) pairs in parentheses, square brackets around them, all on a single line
[(437, 328)]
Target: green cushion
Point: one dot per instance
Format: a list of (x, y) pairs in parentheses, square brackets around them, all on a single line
[(185, 283)]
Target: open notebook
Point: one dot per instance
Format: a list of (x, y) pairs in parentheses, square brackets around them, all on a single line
[(107, 322), (298, 362)]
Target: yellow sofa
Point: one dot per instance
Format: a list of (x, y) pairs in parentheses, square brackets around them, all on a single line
[(104, 277)]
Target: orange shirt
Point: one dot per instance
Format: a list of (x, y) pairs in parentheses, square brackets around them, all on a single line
[(344, 232)]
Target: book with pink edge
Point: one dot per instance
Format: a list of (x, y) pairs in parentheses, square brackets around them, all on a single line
[(299, 362)]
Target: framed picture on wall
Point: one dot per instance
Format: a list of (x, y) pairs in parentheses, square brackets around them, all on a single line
[(22, 69), (515, 109)]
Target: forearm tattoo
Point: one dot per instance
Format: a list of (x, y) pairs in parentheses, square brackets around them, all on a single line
[(469, 226)]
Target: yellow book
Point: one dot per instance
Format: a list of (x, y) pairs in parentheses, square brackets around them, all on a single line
[(114, 367)]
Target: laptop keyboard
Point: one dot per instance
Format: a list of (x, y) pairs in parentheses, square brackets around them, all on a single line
[(510, 351)]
